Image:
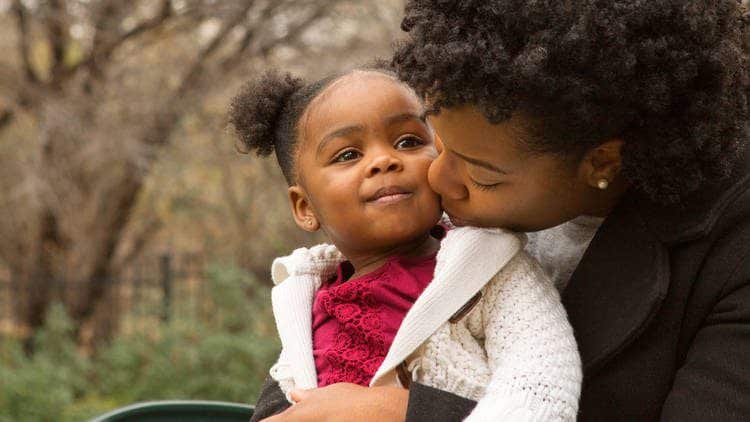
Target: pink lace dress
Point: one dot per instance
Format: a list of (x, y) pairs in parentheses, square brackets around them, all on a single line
[(355, 320)]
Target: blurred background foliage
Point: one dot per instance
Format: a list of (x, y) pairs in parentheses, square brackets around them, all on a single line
[(114, 150), (223, 357)]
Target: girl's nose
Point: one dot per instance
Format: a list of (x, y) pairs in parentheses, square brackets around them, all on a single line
[(443, 177), (384, 163)]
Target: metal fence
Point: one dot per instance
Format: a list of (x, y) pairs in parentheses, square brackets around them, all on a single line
[(152, 290)]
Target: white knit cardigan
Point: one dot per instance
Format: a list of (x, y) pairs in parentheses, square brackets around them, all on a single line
[(513, 352)]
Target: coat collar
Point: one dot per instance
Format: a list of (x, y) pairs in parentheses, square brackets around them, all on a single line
[(624, 275), (696, 216), (617, 287)]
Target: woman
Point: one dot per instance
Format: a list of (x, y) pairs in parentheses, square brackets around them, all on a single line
[(615, 132)]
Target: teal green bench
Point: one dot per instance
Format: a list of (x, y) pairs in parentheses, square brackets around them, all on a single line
[(179, 411)]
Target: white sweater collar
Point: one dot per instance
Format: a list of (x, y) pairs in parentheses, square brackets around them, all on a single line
[(468, 258)]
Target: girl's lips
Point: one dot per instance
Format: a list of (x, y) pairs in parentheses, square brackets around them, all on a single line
[(389, 194), (392, 198)]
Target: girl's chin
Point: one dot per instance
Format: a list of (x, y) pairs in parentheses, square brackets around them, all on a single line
[(398, 233)]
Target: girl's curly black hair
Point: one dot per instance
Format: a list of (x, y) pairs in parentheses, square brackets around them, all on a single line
[(266, 112), (669, 77)]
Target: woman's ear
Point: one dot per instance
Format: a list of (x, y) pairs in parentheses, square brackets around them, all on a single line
[(302, 210), (601, 165)]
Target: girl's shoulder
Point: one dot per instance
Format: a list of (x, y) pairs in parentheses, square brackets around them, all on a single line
[(477, 252), (466, 239)]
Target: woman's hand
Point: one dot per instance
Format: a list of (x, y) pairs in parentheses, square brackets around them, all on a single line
[(346, 402)]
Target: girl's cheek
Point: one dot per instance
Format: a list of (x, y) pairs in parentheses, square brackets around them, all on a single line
[(438, 144)]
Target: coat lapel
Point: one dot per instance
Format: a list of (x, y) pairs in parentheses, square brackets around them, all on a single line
[(618, 286), (624, 276)]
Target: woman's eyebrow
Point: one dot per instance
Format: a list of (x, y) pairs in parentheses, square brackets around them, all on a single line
[(480, 163), (338, 133)]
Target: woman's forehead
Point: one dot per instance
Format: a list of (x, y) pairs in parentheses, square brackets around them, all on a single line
[(466, 130)]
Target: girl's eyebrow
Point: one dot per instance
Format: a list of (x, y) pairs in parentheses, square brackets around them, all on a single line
[(481, 163), (401, 117), (338, 133)]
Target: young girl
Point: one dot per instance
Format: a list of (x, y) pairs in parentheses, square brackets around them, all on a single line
[(477, 318)]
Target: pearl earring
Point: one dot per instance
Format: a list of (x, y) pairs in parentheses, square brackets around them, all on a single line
[(602, 184)]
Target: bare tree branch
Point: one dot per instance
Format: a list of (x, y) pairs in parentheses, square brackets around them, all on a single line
[(137, 243), (23, 40), (165, 121), (6, 116), (234, 58), (297, 30), (243, 49), (238, 212), (104, 45), (57, 36), (165, 11), (116, 212), (198, 66)]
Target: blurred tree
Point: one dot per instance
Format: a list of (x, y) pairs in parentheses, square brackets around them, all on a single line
[(97, 93)]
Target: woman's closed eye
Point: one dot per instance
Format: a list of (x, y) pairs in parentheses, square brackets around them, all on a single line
[(484, 179), (484, 186)]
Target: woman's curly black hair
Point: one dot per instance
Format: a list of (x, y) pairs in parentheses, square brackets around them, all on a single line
[(669, 77), (266, 112)]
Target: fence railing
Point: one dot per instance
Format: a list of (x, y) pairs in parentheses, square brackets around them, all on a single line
[(154, 289)]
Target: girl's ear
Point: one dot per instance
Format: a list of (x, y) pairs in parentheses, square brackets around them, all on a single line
[(302, 210), (601, 166)]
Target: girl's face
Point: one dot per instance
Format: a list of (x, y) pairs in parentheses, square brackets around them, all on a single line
[(363, 157), (486, 177)]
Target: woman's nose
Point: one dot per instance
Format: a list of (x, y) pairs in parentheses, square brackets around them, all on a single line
[(384, 163), (443, 178)]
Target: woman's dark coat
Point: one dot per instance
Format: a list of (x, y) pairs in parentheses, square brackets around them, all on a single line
[(660, 305)]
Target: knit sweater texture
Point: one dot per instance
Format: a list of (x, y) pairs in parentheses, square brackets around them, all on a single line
[(513, 351)]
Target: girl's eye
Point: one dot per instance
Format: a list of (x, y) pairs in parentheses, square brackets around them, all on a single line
[(409, 142), (347, 155), (484, 187)]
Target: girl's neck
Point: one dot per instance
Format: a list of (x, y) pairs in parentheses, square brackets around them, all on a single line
[(367, 262)]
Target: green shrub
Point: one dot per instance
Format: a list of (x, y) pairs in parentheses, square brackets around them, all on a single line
[(222, 357), (40, 388)]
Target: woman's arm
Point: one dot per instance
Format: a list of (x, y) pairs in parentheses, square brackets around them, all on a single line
[(270, 402), (427, 404), (347, 402), (272, 399)]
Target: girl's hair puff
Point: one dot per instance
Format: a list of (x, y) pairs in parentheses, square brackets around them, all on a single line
[(265, 114)]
